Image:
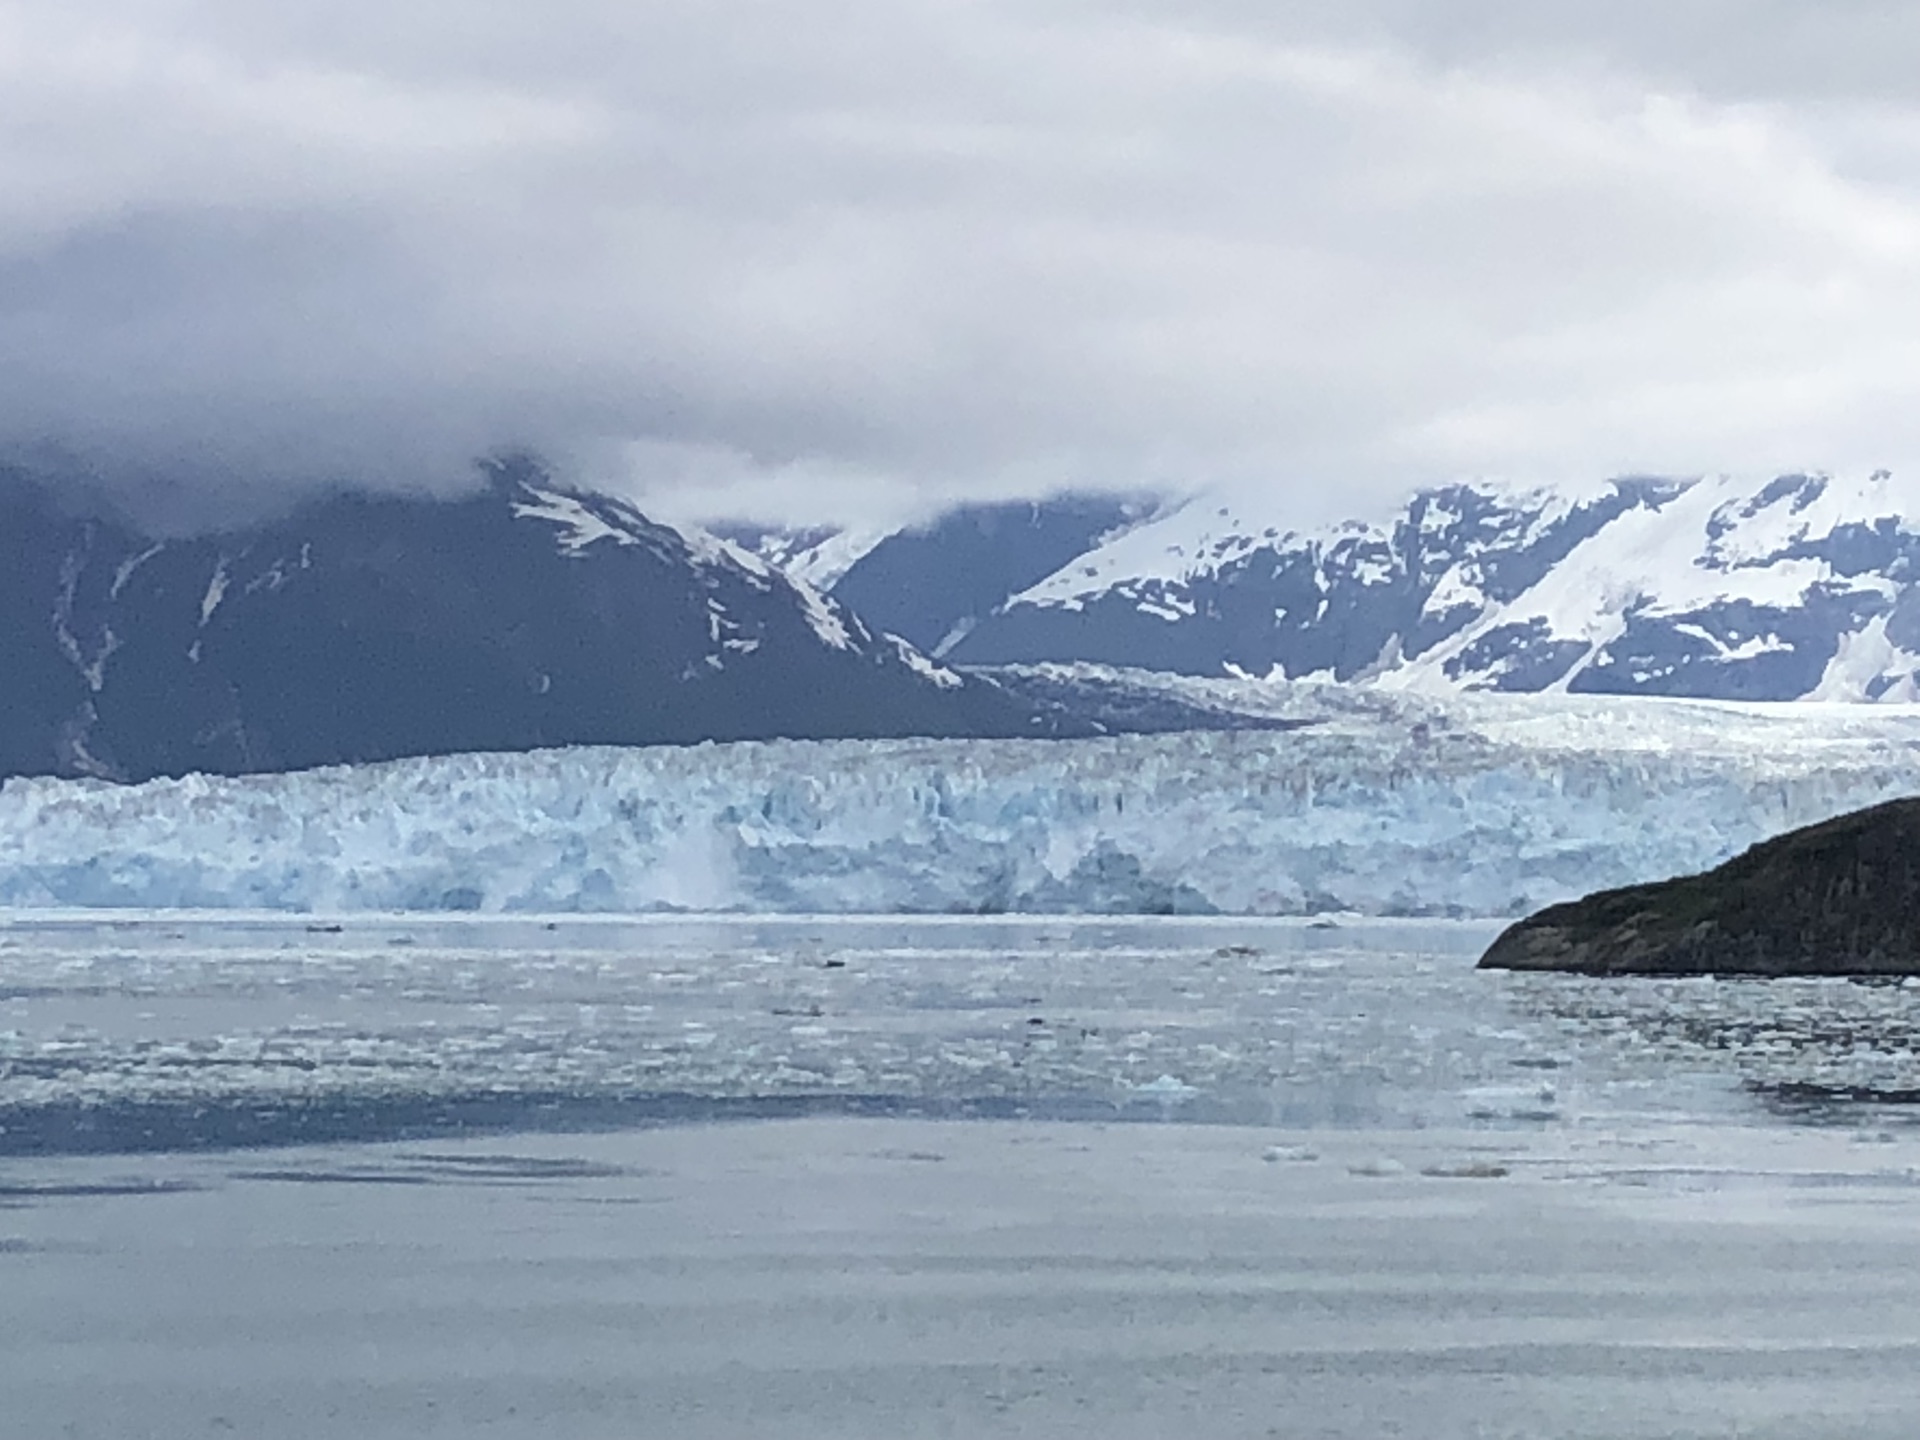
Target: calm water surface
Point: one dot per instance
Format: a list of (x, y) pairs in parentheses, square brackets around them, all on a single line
[(399, 1177)]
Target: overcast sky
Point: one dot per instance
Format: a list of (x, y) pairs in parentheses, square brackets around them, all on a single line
[(806, 257)]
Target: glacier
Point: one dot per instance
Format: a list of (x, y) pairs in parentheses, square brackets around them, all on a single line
[(1377, 804)]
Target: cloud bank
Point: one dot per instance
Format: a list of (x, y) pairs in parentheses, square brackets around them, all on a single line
[(859, 257)]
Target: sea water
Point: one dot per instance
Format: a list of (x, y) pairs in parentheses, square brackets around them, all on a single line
[(387, 1176)]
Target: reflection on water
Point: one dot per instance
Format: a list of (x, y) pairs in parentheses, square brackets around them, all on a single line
[(1809, 1048), (161, 1034)]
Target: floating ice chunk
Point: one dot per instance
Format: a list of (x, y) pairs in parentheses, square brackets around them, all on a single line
[(1273, 1154), (1167, 1087), (1503, 1102)]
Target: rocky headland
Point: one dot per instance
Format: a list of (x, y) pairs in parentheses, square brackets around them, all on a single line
[(1838, 898)]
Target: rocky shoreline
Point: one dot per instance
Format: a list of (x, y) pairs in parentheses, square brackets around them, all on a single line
[(1838, 898)]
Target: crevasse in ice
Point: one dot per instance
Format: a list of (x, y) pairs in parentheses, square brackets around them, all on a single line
[(1475, 805)]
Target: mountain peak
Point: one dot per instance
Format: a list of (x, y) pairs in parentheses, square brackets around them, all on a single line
[(365, 627)]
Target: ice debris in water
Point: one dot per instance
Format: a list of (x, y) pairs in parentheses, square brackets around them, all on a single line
[(1142, 1021), (1299, 1153), (248, 1015), (1166, 1086), (1504, 803)]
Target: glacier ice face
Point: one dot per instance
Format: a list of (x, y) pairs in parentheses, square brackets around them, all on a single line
[(1472, 805)]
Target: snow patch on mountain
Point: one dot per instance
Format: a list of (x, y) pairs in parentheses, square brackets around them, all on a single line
[(1193, 538), (939, 675), (829, 622), (1204, 536), (583, 520), (216, 591), (1868, 665), (579, 523), (816, 556)]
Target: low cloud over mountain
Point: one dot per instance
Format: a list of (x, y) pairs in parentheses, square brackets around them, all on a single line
[(873, 260)]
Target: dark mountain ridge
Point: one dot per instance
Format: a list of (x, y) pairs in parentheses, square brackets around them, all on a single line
[(368, 627), (933, 584)]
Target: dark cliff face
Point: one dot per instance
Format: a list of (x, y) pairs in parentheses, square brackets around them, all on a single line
[(42, 692), (1839, 898), (371, 627)]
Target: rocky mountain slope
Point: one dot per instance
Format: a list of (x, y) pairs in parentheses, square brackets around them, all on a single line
[(370, 627), (932, 584)]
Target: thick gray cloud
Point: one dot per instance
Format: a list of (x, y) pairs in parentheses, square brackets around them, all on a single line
[(787, 256)]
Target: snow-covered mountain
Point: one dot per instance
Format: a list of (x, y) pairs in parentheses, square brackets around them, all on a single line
[(818, 555), (933, 583), (1208, 588), (368, 627), (1797, 587)]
